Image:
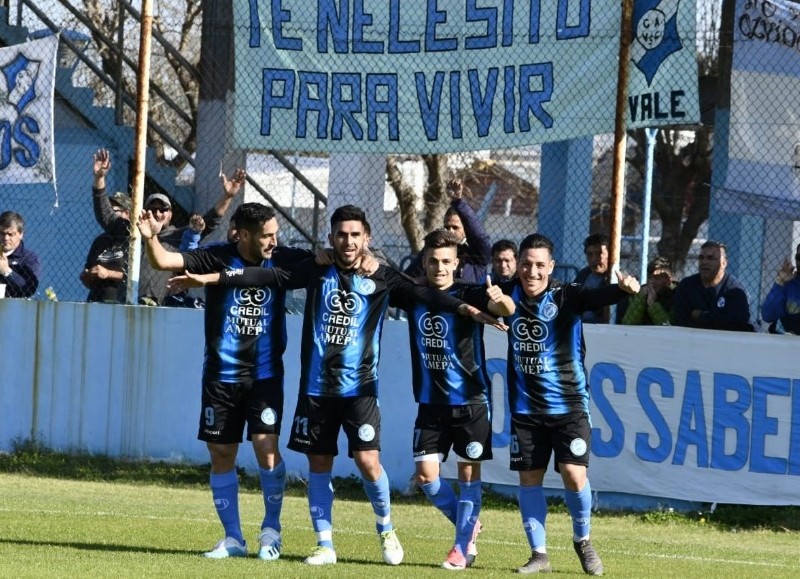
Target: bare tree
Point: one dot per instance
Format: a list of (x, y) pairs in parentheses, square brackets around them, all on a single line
[(434, 197), (179, 22)]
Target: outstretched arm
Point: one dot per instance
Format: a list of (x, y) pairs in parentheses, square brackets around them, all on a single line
[(159, 256)]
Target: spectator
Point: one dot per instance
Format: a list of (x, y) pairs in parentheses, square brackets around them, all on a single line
[(595, 274), (153, 283), (652, 306), (783, 300), (504, 260), (474, 250), (107, 261), (19, 267), (712, 299)]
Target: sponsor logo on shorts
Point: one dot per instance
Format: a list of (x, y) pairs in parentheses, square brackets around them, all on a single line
[(212, 432), (474, 449), (221, 504), (578, 447), (366, 432), (269, 416)]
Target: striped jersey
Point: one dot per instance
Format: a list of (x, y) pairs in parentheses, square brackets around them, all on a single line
[(245, 328), (447, 354), (343, 320), (545, 371)]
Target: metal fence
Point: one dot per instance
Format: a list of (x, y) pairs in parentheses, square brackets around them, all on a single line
[(503, 186)]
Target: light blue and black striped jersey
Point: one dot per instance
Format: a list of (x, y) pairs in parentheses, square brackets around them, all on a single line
[(447, 355), (545, 371), (343, 320), (245, 328)]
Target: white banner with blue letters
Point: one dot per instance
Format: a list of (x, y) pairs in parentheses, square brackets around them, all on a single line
[(687, 414), (433, 76), (763, 172), (27, 78)]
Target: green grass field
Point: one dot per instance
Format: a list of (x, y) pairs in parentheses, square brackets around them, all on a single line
[(77, 528)]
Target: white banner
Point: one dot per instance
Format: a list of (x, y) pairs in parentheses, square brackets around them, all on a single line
[(27, 78), (695, 415), (407, 76), (763, 173)]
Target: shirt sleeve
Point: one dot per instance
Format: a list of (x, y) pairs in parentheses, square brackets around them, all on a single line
[(287, 277), (479, 245), (401, 287), (774, 305)]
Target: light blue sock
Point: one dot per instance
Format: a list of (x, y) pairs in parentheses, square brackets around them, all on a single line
[(533, 507), (378, 494), (225, 490), (442, 497), (273, 483), (320, 505), (579, 505), (469, 507)]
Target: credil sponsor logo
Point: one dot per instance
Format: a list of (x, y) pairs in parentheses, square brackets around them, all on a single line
[(527, 329), (432, 326), (343, 302), (252, 296)]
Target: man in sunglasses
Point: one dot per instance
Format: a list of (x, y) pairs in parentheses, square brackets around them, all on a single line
[(153, 283)]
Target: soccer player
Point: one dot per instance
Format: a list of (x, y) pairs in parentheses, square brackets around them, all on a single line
[(339, 369), (245, 331), (452, 389), (548, 394)]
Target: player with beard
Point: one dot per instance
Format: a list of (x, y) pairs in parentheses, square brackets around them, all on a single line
[(245, 332)]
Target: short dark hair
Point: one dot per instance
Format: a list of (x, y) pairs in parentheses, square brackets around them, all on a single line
[(504, 245), (600, 239), (536, 241), (250, 216), (440, 238), (714, 243), (350, 213), (660, 262), (450, 212), (12, 219)]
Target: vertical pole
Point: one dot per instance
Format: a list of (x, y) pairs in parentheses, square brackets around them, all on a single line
[(620, 136), (142, 106), (119, 78), (650, 133)]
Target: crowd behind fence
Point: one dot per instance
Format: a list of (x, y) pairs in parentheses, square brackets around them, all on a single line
[(502, 186)]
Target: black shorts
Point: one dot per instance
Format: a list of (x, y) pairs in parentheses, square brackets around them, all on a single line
[(535, 438), (315, 428), (226, 406), (468, 429)]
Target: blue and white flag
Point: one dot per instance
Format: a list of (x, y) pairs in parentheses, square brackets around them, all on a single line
[(409, 76), (27, 78), (763, 165)]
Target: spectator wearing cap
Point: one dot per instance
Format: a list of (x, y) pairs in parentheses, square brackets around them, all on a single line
[(153, 283), (19, 267), (106, 264)]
